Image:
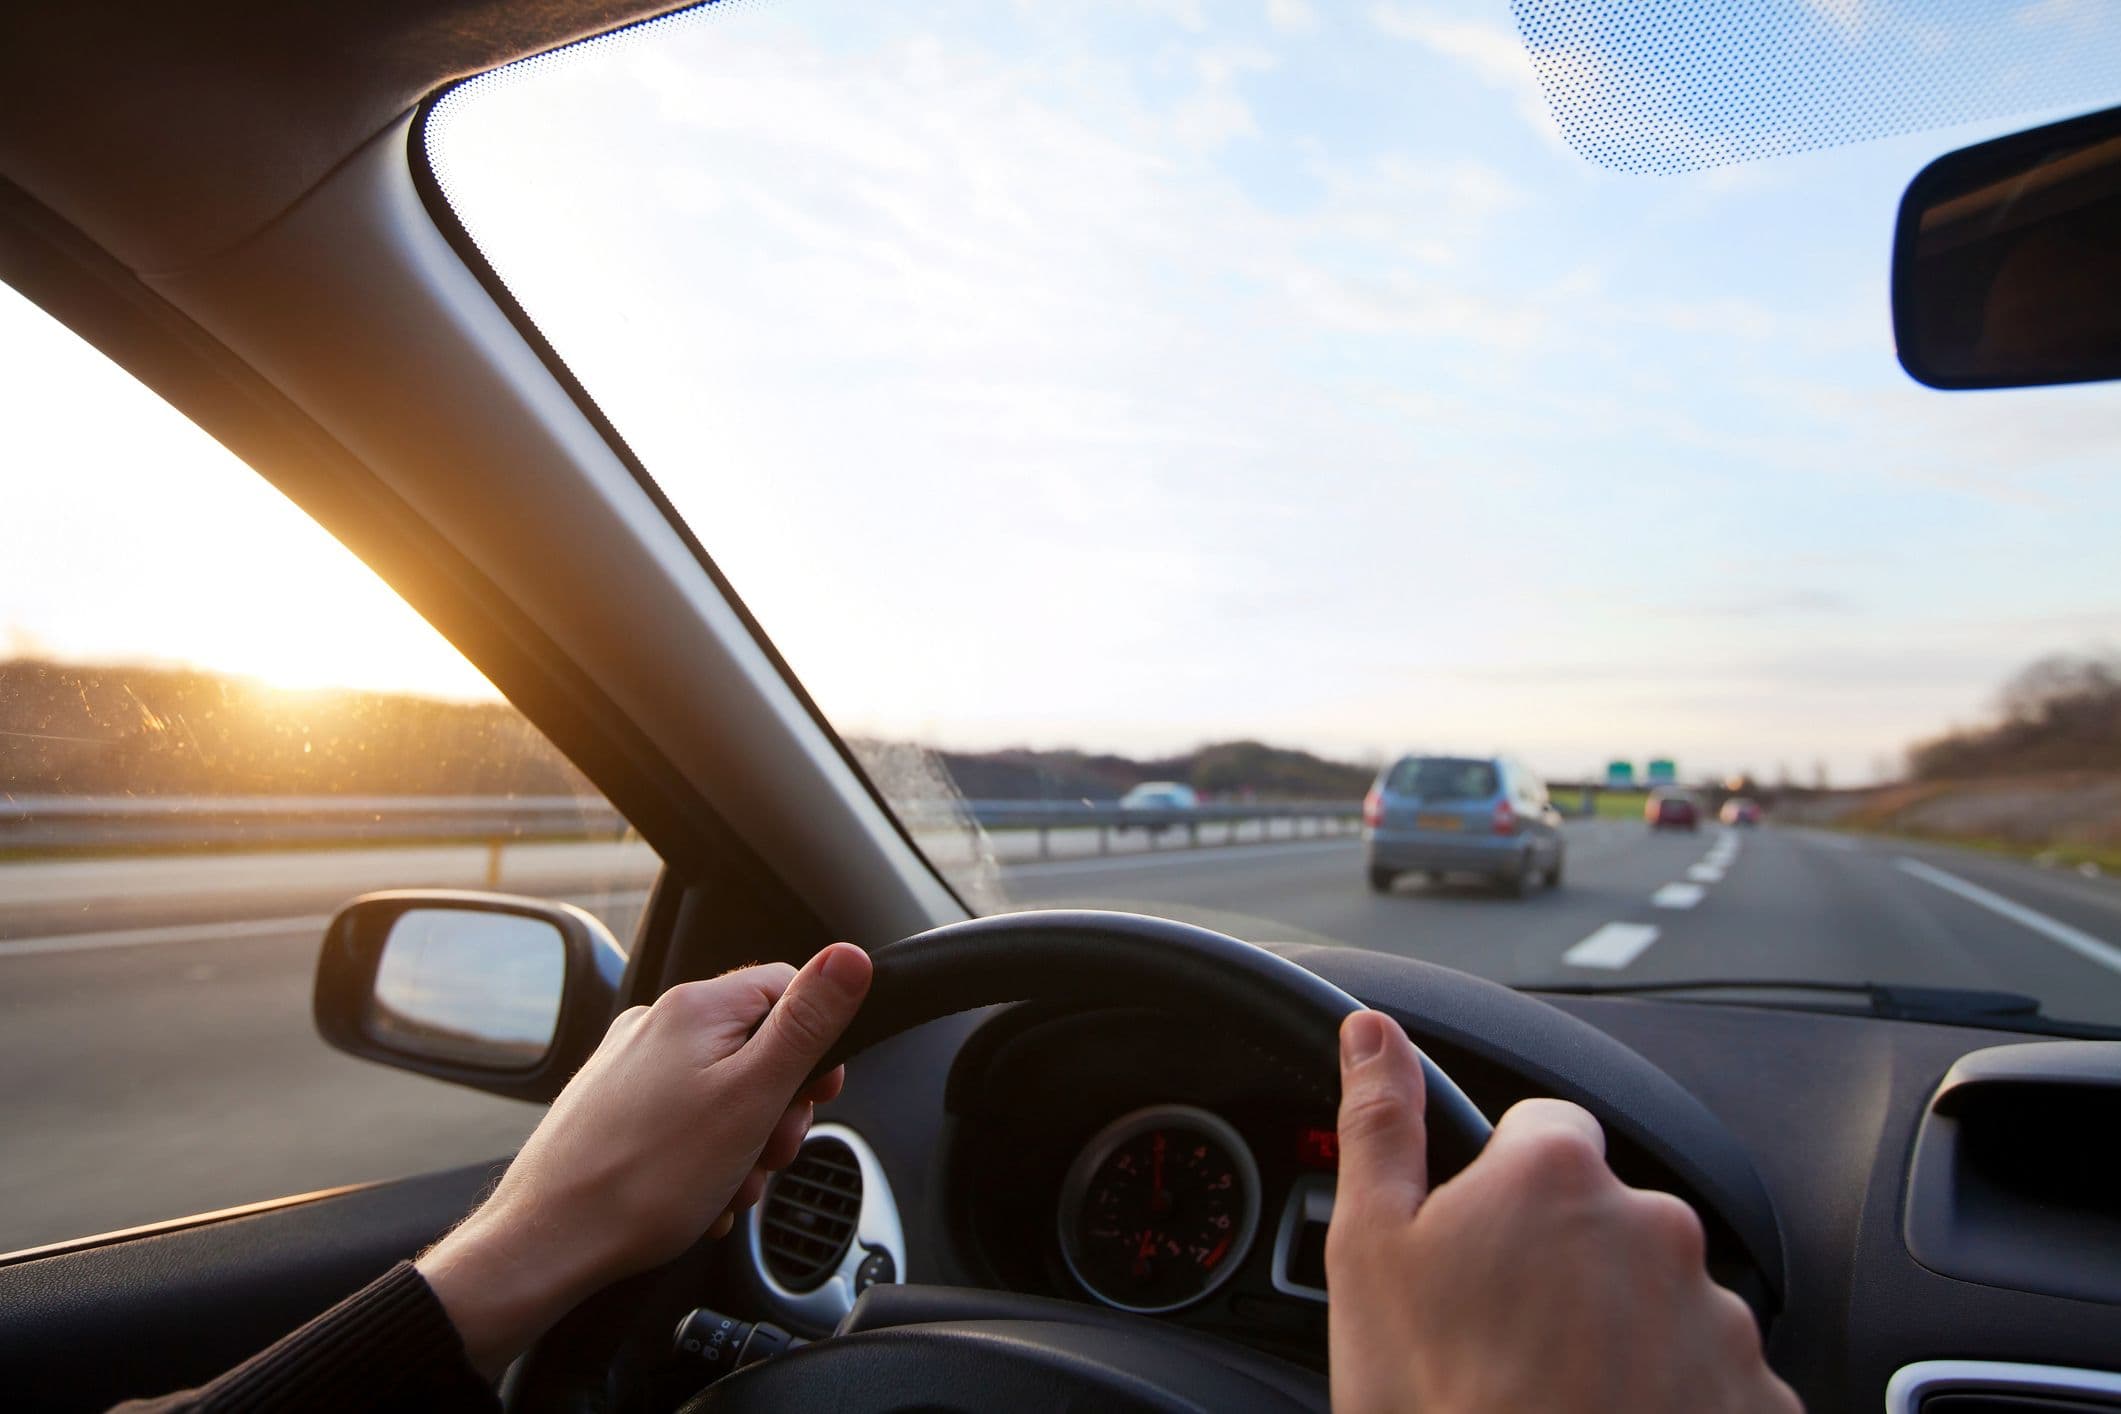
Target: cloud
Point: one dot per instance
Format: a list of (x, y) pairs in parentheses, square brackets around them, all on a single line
[(1850, 17), (1772, 603), (1217, 113), (2023, 449), (1292, 16), (1403, 303), (1490, 52), (1396, 196)]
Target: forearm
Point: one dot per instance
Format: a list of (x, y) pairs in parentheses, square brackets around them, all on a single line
[(505, 1279), (391, 1345)]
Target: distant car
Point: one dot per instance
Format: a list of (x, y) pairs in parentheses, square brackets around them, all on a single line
[(1739, 811), (1486, 815), (1160, 795), (1672, 810)]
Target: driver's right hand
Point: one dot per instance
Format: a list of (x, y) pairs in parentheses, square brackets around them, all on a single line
[(1534, 1280)]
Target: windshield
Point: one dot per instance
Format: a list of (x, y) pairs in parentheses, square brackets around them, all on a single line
[(1434, 778), (1244, 396)]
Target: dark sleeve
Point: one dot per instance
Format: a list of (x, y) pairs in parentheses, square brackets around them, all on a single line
[(388, 1346)]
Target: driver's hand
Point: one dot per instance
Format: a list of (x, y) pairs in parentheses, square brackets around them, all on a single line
[(667, 1133), (1533, 1280)]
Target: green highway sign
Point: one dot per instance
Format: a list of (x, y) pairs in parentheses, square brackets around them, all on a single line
[(1619, 775), (1663, 773)]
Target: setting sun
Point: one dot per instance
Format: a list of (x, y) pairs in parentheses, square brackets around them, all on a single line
[(133, 537)]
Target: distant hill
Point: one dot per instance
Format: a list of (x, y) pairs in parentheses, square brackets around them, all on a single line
[(1224, 769), (114, 730)]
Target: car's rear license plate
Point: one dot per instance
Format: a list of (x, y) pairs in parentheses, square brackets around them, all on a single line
[(1437, 822)]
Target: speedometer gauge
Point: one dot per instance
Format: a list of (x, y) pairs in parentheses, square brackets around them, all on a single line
[(1159, 1208)]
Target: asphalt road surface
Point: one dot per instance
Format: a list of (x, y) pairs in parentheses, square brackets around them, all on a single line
[(159, 1057)]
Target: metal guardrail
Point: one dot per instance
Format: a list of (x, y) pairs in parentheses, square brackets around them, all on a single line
[(1302, 819), (58, 823), (86, 823)]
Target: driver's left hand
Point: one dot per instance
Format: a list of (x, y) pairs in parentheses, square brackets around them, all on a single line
[(667, 1133)]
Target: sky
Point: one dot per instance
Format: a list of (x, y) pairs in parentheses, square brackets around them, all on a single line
[(1137, 373)]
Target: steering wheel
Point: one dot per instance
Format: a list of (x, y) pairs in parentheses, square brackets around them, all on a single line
[(986, 1350)]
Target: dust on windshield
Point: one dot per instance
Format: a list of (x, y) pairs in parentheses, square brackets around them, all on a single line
[(1254, 397)]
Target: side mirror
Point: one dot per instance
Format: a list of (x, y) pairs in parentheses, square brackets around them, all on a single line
[(504, 994), (2007, 260)]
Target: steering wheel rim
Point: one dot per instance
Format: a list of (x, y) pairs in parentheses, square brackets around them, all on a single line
[(1111, 1362), (1097, 957)]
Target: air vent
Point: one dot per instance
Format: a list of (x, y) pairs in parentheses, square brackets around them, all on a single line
[(809, 1214)]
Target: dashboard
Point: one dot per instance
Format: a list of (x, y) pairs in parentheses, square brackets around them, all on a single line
[(1860, 1180), (1127, 1159), (1052, 1165)]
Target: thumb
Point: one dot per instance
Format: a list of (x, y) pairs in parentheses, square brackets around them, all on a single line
[(809, 1016), (1384, 1145)]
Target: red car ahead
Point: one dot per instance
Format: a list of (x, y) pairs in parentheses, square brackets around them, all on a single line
[(1740, 811), (1672, 810)]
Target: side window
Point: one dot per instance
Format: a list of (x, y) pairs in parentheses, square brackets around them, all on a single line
[(216, 725)]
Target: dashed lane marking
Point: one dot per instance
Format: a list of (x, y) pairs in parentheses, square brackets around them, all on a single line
[(1678, 896), (1613, 946)]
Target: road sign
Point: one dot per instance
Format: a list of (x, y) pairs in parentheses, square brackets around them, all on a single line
[(1619, 775), (1663, 773)]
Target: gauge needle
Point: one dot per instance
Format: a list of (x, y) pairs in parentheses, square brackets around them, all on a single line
[(1159, 1196), (1144, 1252), (1208, 1262)]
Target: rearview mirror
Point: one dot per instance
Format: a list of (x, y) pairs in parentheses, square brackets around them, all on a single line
[(2007, 260), (504, 994)]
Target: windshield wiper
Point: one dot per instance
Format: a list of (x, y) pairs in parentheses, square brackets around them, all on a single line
[(1952, 1006)]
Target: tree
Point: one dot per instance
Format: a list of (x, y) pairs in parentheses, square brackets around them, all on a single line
[(2060, 712)]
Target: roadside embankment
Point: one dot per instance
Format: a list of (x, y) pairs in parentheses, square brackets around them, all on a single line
[(2063, 818)]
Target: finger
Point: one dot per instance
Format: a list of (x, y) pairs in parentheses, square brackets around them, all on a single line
[(748, 1191), (754, 989), (1384, 1155), (787, 1137), (1531, 1120), (807, 1019), (720, 1013), (1552, 1149), (826, 1086)]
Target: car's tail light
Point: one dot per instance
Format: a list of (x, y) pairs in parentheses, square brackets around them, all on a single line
[(1373, 807), (1505, 818)]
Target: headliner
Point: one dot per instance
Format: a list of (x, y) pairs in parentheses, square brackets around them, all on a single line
[(169, 133)]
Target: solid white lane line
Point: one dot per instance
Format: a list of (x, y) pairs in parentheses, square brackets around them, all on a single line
[(312, 924), (1678, 895), (1706, 872), (1613, 946), (176, 933), (2083, 944)]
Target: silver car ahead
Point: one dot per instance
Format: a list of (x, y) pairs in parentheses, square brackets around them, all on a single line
[(1485, 815)]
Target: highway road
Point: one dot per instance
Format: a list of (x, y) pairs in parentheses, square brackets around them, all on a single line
[(159, 1058)]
